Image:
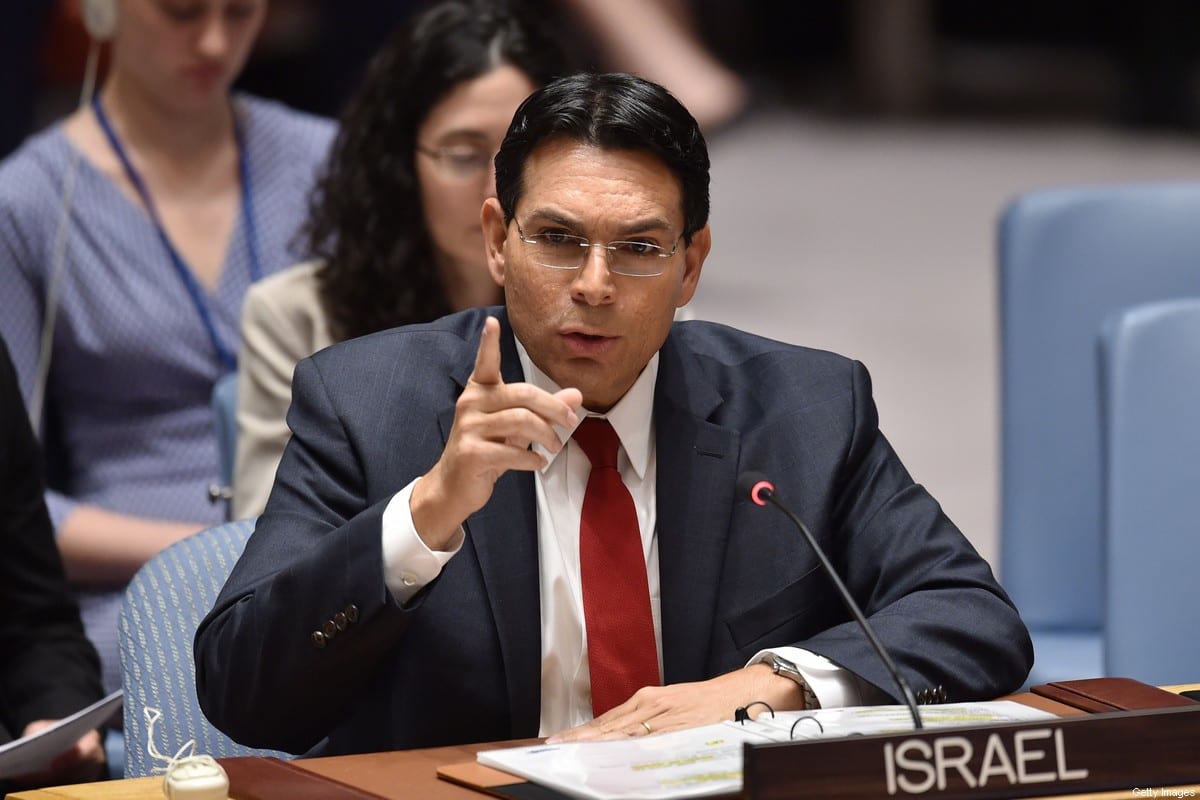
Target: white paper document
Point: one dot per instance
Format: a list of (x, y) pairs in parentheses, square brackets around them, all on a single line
[(34, 753), (698, 762), (868, 720), (706, 761)]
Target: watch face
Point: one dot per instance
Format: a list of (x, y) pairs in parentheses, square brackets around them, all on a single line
[(783, 666), (787, 669)]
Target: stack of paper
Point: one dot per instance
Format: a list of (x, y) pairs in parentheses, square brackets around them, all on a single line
[(34, 753), (707, 761)]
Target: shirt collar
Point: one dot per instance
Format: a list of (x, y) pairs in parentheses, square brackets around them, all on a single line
[(631, 417)]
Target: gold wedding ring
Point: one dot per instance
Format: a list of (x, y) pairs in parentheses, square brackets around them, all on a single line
[(646, 725)]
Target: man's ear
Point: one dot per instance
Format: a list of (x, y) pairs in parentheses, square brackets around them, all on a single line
[(495, 232), (693, 263)]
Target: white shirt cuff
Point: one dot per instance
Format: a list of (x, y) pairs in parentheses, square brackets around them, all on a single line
[(408, 563), (834, 687)]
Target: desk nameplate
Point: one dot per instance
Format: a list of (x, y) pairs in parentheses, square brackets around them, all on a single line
[(1122, 750)]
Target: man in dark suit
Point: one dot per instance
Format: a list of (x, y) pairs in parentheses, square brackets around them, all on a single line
[(431, 566), (48, 668)]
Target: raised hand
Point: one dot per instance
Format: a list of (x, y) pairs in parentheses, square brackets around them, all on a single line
[(494, 425)]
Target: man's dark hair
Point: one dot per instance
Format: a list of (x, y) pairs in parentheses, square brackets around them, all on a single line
[(612, 111)]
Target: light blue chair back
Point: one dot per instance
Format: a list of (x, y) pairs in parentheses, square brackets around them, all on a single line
[(164, 604), (1150, 365), (1068, 259)]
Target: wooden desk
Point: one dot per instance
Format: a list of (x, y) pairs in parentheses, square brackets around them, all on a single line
[(413, 773), (407, 773)]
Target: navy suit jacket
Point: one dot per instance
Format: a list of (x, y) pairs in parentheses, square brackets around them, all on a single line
[(461, 662)]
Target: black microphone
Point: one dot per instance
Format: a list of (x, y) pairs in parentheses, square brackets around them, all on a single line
[(761, 491)]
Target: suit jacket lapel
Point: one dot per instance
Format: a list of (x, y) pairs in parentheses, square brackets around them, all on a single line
[(697, 469), (504, 536)]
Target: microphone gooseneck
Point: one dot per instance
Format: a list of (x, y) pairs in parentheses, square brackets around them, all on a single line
[(761, 491)]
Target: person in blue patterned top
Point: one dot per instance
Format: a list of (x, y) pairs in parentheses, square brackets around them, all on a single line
[(185, 194)]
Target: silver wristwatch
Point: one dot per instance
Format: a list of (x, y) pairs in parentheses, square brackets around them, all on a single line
[(781, 666)]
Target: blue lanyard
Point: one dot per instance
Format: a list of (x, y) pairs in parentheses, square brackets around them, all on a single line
[(227, 356)]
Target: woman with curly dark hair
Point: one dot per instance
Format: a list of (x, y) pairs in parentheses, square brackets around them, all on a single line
[(395, 219)]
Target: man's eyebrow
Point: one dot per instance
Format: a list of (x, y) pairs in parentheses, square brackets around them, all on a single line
[(643, 225), (554, 217)]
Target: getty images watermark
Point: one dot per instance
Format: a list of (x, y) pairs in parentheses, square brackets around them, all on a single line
[(1160, 792)]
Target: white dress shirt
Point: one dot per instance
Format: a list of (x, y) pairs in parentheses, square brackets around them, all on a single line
[(566, 683)]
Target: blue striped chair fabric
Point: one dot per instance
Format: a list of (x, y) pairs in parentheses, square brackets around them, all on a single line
[(164, 604)]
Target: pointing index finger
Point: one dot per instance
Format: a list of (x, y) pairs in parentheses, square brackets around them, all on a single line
[(487, 358)]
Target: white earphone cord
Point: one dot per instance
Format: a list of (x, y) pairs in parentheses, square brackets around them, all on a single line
[(37, 397), (184, 757)]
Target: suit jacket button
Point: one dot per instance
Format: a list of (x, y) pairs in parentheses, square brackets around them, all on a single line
[(330, 629), (352, 613), (340, 620), (318, 639)]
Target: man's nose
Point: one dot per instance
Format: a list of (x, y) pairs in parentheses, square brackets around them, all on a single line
[(593, 282)]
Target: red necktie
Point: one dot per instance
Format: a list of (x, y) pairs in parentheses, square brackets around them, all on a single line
[(622, 655)]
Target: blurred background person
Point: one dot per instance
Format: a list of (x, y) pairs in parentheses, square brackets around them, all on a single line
[(395, 220), (49, 669), (184, 195), (659, 41)]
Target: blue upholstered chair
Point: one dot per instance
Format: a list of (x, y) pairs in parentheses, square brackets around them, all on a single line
[(164, 604), (1150, 368), (1068, 259)]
